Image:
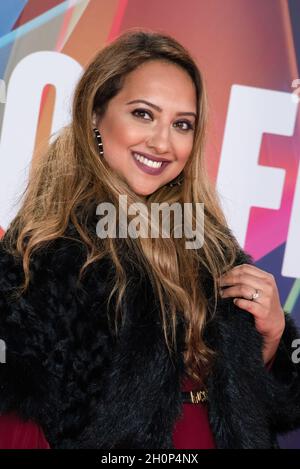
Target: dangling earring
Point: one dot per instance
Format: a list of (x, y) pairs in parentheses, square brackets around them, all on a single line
[(177, 181), (99, 140)]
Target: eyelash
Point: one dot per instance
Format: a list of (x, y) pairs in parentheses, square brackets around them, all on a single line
[(190, 126)]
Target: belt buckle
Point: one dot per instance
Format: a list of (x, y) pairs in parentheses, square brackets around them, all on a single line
[(198, 396)]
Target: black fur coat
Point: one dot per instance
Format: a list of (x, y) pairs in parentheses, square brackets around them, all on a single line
[(65, 370)]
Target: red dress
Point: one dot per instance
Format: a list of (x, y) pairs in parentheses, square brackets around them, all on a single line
[(16, 434)]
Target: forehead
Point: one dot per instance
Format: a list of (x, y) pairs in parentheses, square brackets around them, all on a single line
[(162, 82)]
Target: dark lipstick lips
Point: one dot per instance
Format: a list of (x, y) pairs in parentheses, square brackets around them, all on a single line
[(149, 169)]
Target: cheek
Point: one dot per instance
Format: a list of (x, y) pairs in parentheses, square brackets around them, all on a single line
[(118, 137), (125, 135), (183, 151)]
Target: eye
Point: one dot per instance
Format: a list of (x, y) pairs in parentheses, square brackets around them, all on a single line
[(189, 125), (141, 111)]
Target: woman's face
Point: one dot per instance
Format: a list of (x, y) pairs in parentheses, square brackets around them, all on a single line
[(148, 144)]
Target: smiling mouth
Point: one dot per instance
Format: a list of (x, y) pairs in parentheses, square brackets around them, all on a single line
[(149, 166), (147, 161)]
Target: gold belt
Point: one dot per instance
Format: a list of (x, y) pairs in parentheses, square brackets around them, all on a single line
[(194, 397)]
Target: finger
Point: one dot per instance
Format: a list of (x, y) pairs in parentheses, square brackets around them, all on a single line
[(241, 278), (250, 268), (243, 291), (256, 309)]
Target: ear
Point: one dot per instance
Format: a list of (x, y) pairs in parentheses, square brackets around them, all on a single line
[(94, 119)]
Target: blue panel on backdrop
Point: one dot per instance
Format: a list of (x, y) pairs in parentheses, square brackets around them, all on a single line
[(272, 262), (9, 13)]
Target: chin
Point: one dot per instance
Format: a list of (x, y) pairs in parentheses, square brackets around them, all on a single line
[(143, 191)]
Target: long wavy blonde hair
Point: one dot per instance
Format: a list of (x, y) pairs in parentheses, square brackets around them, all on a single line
[(69, 180)]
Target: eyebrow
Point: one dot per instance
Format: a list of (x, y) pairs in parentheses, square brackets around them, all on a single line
[(159, 109)]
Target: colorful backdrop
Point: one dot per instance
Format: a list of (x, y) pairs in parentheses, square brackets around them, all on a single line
[(249, 52)]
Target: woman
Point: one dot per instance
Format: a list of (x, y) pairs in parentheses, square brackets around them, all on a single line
[(106, 333)]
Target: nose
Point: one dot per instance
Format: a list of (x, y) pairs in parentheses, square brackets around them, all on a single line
[(159, 139)]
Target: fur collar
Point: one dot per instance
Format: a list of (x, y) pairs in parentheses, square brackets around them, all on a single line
[(66, 370)]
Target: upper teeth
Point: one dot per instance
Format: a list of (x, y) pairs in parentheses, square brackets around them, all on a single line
[(142, 159)]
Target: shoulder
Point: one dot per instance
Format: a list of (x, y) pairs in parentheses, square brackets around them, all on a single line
[(55, 259)]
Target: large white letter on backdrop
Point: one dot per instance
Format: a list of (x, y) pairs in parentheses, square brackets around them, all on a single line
[(20, 121), (242, 183)]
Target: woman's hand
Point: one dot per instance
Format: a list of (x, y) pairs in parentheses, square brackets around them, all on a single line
[(242, 282)]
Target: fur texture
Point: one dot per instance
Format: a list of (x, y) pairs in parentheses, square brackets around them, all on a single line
[(65, 369)]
